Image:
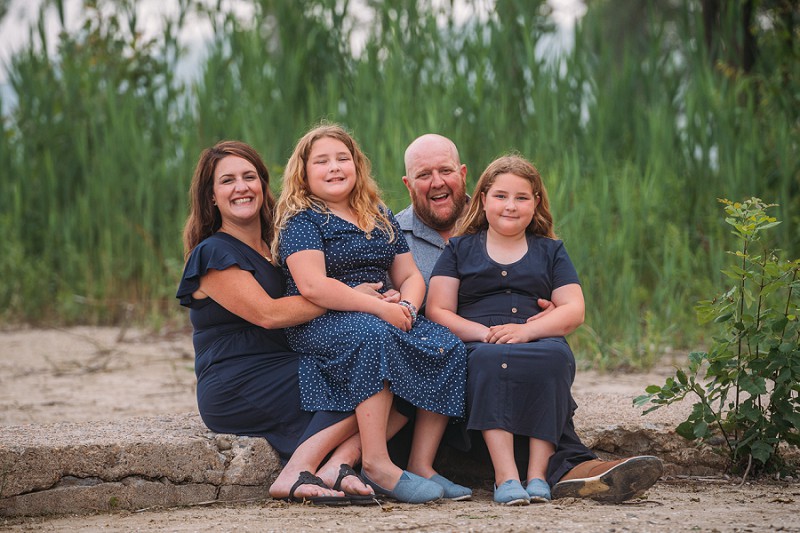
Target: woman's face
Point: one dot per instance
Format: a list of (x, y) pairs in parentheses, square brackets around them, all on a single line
[(509, 204), (331, 171), (237, 190)]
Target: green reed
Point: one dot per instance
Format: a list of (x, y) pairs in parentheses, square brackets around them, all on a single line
[(636, 136)]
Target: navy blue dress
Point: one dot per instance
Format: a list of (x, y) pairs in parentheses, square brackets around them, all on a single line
[(520, 388), (247, 381), (354, 353)]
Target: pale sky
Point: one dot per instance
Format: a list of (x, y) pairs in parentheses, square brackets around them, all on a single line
[(15, 27)]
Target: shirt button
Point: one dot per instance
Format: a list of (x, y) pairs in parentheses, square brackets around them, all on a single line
[(504, 365), (441, 350), (504, 273), (508, 292), (513, 309)]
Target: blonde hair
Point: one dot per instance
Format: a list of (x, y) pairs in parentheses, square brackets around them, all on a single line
[(474, 220), (296, 195)]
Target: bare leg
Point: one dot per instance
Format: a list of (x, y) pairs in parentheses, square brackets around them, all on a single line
[(308, 456), (349, 452), (501, 449), (540, 452), (373, 419), (428, 433)]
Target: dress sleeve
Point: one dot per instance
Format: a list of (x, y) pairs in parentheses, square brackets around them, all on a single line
[(447, 264), (301, 233), (564, 271), (211, 254)]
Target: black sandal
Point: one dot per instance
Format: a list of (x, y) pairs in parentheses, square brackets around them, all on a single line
[(307, 478), (356, 499)]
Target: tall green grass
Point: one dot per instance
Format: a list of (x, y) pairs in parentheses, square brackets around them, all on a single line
[(636, 136)]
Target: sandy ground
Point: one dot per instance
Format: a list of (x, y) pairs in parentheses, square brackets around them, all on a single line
[(83, 374)]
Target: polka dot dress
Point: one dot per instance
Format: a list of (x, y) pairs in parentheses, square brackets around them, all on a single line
[(353, 352)]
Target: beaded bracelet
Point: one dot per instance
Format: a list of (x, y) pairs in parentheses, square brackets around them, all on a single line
[(411, 309)]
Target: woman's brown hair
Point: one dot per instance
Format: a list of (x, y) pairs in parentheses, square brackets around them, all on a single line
[(204, 217)]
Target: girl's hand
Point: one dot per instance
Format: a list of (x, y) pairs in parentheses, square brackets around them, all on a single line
[(396, 315), (371, 289), (391, 296), (507, 334)]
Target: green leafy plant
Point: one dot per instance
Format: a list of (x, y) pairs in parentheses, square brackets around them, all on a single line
[(747, 384)]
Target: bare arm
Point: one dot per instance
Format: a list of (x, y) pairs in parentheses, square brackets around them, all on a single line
[(308, 270), (238, 291), (564, 319), (442, 305), (407, 278)]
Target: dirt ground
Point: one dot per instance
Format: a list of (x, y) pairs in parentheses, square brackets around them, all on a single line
[(83, 374)]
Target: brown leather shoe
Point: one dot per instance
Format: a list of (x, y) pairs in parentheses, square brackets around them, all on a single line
[(610, 481)]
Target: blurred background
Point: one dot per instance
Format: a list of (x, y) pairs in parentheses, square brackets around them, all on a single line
[(639, 115)]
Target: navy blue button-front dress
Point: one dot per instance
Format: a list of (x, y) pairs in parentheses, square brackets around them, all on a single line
[(247, 376)]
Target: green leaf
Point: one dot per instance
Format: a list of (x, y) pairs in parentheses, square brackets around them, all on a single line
[(642, 400), (787, 347), (761, 451), (686, 430), (723, 318), (700, 430), (652, 389)]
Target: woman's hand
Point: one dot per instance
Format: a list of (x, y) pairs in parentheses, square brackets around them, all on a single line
[(508, 334), (396, 315)]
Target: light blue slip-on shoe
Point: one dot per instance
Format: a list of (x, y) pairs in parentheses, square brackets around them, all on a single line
[(410, 488), (538, 490), (511, 493), (452, 491)]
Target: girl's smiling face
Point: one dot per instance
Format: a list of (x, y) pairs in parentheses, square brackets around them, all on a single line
[(331, 171), (509, 204)]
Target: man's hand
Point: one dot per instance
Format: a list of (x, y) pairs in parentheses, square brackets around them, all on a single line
[(546, 307)]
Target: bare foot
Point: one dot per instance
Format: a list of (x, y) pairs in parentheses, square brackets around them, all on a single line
[(350, 484), (288, 477)]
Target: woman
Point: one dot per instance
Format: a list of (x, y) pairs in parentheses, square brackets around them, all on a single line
[(246, 373)]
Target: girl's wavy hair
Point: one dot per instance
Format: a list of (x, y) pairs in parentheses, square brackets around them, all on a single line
[(204, 218), (474, 220), (296, 195)]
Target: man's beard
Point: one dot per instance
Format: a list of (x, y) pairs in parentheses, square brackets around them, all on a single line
[(433, 218)]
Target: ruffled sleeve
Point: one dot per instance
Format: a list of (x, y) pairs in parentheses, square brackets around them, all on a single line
[(213, 253)]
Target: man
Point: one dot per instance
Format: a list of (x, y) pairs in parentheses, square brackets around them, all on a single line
[(436, 181)]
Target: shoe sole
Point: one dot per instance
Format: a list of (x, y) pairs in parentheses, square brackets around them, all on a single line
[(459, 498), (521, 501), (625, 481)]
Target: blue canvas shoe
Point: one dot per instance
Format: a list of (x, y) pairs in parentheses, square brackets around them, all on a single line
[(511, 493), (538, 490), (410, 488), (452, 491)]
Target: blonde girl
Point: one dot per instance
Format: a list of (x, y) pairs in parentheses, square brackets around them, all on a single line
[(336, 233)]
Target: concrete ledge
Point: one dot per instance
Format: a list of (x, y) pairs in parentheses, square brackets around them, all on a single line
[(175, 460)]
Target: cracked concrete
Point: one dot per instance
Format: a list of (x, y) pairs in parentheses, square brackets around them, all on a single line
[(174, 460)]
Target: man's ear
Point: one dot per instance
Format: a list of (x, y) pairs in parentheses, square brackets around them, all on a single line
[(407, 183)]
